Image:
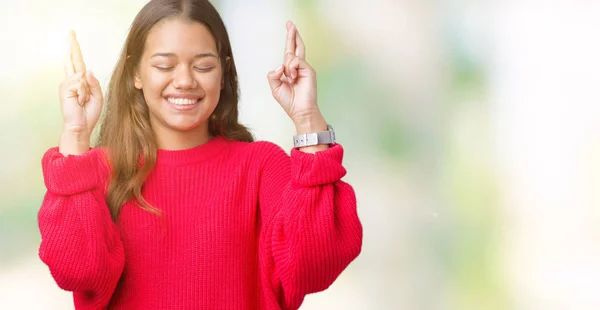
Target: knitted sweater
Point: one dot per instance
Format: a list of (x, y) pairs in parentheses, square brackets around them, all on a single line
[(243, 226)]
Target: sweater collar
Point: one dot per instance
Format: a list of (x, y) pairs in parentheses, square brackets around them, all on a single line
[(208, 150)]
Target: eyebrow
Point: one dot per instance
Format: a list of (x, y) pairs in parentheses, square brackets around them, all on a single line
[(201, 55)]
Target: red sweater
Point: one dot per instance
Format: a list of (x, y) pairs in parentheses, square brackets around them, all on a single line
[(244, 226)]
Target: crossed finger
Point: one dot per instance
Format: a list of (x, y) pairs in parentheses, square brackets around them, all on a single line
[(73, 62), (294, 44)]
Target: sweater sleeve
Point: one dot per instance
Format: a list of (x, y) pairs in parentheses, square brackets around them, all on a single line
[(80, 243), (311, 231)]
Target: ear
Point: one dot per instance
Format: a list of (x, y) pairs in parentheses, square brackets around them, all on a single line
[(137, 81)]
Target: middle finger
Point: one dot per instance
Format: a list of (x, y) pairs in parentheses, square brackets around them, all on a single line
[(76, 55)]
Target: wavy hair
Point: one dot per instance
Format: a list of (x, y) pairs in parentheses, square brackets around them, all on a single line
[(125, 129)]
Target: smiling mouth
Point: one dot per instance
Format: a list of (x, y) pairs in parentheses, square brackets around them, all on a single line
[(182, 101), (183, 104)]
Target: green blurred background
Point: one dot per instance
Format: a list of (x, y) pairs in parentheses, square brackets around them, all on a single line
[(471, 131)]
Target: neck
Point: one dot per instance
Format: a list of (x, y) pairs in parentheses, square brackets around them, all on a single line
[(169, 139)]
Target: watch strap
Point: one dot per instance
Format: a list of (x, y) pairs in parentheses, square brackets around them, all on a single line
[(315, 138)]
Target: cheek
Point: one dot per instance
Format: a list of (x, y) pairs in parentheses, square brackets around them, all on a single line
[(155, 83), (211, 84)]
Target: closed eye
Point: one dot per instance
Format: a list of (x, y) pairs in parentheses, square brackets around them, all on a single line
[(199, 69), (203, 69)]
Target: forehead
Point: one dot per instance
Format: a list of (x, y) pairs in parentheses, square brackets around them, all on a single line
[(180, 36)]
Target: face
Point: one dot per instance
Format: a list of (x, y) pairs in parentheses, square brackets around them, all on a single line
[(180, 75)]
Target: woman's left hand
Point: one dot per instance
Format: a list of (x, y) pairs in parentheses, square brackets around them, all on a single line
[(294, 85)]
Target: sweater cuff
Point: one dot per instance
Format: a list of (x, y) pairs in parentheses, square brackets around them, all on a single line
[(72, 174), (316, 169)]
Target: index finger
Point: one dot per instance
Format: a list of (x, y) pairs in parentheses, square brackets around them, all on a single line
[(76, 56), (290, 42), (300, 48), (68, 64)]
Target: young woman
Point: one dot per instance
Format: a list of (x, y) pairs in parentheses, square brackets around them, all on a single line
[(176, 207)]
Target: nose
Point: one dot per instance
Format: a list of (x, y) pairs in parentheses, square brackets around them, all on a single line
[(184, 79)]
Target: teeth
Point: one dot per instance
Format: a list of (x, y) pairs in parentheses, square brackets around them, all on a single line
[(181, 101)]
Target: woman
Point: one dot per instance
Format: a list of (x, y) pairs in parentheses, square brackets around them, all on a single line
[(176, 207)]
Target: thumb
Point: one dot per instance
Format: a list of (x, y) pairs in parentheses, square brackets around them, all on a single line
[(274, 78), (95, 89)]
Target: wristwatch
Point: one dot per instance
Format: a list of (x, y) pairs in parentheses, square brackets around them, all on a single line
[(315, 138)]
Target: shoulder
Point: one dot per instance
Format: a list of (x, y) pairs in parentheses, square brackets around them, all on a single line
[(259, 151), (267, 148)]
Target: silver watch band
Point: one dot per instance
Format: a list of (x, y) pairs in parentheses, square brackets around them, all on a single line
[(315, 138)]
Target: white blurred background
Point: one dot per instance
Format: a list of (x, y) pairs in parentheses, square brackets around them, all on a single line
[(471, 129)]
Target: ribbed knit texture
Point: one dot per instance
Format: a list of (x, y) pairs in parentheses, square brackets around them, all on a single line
[(244, 227)]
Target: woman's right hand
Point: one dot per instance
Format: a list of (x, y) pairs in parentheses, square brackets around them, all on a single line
[(80, 101)]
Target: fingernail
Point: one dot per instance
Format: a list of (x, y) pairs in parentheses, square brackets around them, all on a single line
[(290, 80), (278, 68), (91, 74)]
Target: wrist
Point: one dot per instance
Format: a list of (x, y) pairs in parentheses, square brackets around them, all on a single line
[(311, 123), (74, 142)]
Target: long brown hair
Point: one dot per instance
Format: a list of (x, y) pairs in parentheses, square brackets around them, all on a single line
[(125, 130)]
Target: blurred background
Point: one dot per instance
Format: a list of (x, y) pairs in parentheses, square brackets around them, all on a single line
[(471, 129)]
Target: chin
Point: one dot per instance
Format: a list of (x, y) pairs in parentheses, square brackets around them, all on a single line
[(185, 126)]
